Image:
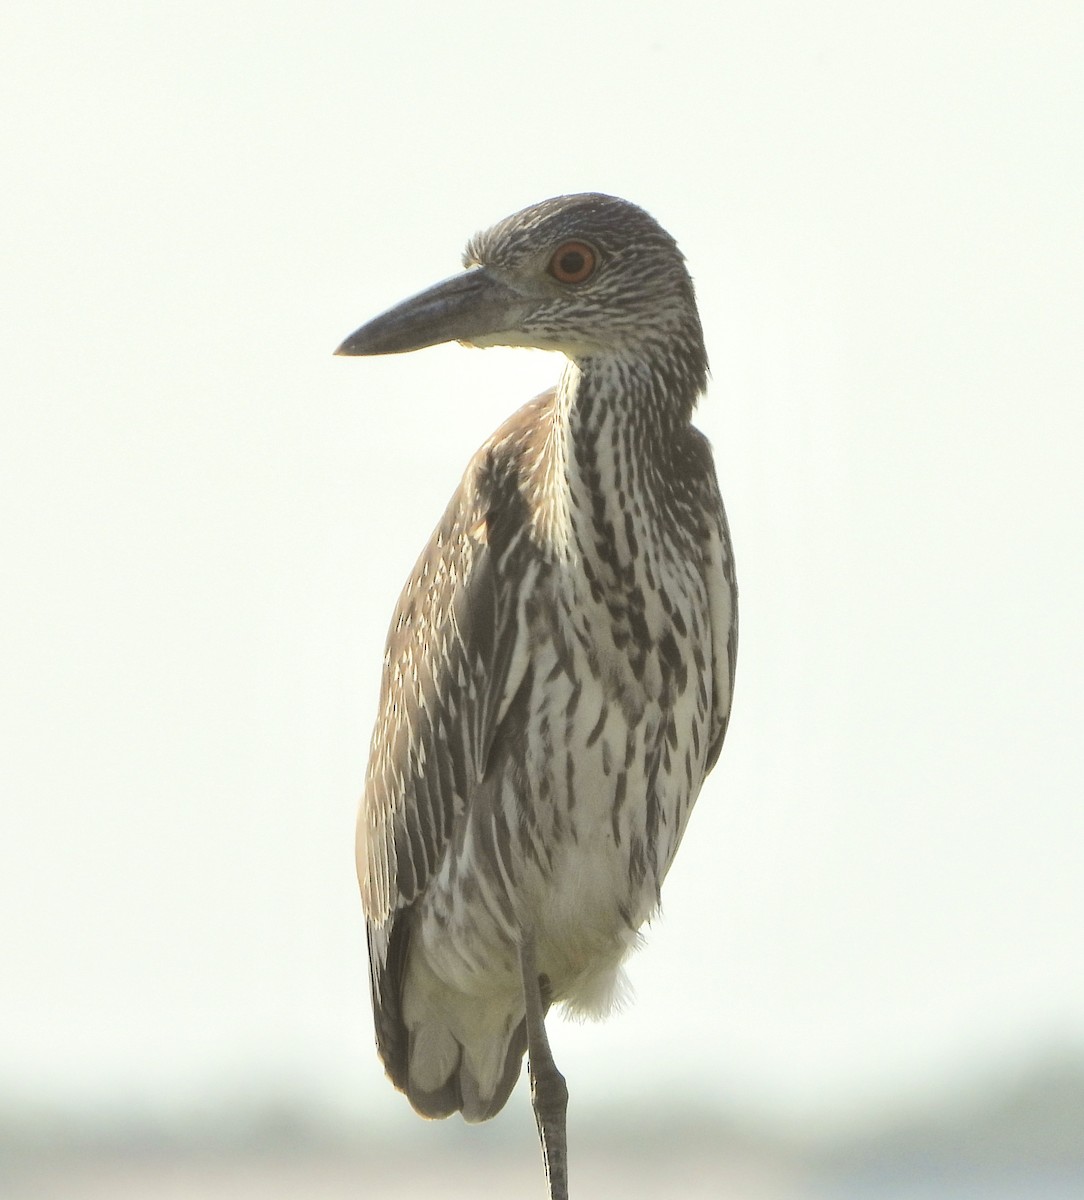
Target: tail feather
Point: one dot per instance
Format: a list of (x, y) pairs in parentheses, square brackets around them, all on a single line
[(449, 1052)]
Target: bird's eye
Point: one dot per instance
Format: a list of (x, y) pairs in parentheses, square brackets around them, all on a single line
[(573, 262)]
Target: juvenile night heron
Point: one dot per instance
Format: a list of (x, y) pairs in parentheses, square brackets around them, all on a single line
[(559, 670)]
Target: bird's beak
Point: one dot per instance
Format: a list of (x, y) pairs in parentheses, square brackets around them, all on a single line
[(466, 307)]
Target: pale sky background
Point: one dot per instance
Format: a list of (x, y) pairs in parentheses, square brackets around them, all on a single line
[(206, 520)]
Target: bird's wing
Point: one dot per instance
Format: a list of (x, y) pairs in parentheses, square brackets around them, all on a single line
[(456, 656), (723, 605), (454, 659), (723, 599)]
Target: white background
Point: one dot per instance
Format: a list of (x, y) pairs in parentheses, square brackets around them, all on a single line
[(206, 520)]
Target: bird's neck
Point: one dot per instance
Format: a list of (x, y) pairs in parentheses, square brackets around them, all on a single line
[(612, 453), (646, 400)]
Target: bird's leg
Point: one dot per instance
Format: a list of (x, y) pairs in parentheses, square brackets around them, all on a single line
[(549, 1095)]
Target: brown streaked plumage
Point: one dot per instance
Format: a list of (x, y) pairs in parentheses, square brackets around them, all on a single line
[(559, 670)]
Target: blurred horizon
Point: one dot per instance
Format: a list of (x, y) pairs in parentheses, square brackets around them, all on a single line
[(1036, 1101), (1013, 1136)]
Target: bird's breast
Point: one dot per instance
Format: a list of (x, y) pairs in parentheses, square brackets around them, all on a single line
[(599, 759), (615, 736)]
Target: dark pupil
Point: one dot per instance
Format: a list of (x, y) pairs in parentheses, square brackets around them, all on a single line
[(573, 262)]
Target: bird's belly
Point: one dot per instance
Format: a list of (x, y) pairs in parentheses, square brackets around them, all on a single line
[(574, 836), (610, 827)]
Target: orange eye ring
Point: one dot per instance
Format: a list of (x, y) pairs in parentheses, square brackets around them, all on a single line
[(573, 262)]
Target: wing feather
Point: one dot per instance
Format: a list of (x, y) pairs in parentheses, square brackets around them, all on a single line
[(723, 602), (449, 647), (722, 596), (454, 658)]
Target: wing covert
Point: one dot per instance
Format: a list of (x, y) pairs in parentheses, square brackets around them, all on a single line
[(446, 672), (723, 601), (722, 597)]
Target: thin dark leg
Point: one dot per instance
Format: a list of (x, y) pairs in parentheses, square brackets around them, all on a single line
[(549, 1095)]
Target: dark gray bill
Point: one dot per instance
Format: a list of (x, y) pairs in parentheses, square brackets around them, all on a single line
[(466, 306)]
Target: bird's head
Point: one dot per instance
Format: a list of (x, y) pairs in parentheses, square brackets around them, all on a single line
[(587, 275)]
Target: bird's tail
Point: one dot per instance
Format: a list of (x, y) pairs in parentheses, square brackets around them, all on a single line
[(447, 1051)]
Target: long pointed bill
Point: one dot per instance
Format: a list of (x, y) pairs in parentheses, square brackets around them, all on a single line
[(466, 306)]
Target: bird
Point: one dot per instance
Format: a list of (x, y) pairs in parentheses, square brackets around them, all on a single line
[(559, 670)]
